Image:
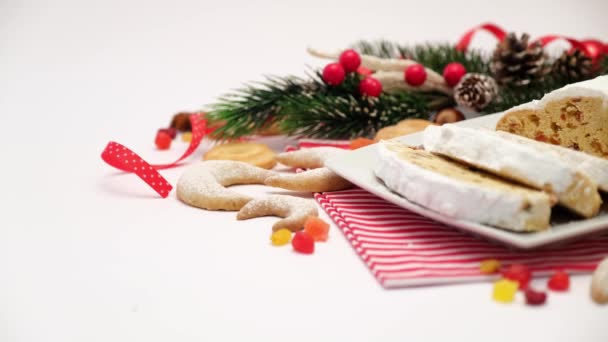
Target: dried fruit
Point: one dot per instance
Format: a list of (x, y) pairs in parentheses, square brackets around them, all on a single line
[(504, 290), (535, 297), (316, 228), (519, 273), (303, 243), (489, 266), (281, 237), (560, 281)]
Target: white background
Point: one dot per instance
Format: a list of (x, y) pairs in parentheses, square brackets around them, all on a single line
[(89, 254)]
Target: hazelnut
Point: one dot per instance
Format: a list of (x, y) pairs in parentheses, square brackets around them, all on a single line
[(448, 115), (181, 122)]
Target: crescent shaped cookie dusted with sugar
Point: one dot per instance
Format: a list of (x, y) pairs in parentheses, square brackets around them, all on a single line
[(293, 210), (308, 158), (320, 179), (599, 283), (203, 185), (316, 180)]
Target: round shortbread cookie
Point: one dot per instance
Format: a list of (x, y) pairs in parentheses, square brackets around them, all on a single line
[(404, 127), (256, 154), (203, 185)]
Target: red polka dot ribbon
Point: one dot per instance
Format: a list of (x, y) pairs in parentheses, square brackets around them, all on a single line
[(124, 159)]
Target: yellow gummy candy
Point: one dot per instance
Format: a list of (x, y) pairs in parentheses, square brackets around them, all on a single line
[(281, 237), (187, 136), (504, 290), (489, 266)]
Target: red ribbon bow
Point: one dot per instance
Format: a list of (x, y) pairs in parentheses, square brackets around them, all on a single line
[(124, 159)]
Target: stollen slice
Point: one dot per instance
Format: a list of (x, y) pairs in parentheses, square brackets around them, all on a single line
[(454, 190), (486, 150), (595, 168)]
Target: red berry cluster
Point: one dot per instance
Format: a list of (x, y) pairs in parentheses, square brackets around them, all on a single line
[(350, 61), (415, 75)]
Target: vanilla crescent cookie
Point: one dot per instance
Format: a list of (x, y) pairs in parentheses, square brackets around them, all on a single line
[(293, 210), (599, 283), (203, 185), (316, 180), (256, 154), (320, 179), (308, 158)]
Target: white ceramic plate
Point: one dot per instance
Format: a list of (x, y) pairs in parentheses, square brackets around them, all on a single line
[(357, 167)]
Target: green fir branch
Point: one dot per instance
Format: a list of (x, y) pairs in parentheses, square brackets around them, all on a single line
[(432, 56), (342, 117), (249, 109)]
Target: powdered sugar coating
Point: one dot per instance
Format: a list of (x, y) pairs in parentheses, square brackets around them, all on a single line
[(293, 210), (316, 180), (308, 158), (203, 184), (595, 168), (597, 87)]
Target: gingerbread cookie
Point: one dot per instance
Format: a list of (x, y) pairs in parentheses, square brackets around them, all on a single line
[(203, 185), (252, 153), (293, 210), (316, 180)]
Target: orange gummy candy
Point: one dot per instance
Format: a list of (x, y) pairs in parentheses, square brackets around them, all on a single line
[(316, 228)]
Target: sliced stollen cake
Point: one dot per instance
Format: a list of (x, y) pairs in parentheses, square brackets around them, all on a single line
[(485, 150), (454, 190), (575, 116), (595, 168)]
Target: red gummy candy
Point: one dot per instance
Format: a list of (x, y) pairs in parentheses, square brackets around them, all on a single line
[(171, 131), (303, 243), (163, 141), (519, 273), (535, 297), (560, 281)]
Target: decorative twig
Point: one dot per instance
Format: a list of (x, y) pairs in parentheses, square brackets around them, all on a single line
[(435, 81), (393, 80)]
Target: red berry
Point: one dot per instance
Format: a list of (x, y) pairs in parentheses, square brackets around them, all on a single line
[(535, 297), (333, 74), (560, 281), (370, 86), (163, 141), (171, 131), (350, 60), (519, 273), (453, 72), (303, 243), (415, 74)]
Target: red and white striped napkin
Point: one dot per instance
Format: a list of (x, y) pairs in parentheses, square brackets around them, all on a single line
[(403, 249)]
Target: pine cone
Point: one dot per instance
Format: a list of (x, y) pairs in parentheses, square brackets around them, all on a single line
[(475, 91), (516, 63), (575, 66)]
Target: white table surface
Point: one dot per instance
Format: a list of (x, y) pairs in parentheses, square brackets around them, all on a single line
[(88, 254)]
